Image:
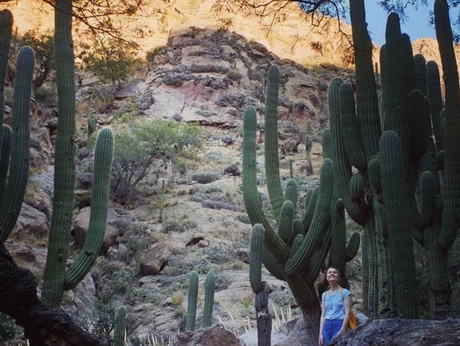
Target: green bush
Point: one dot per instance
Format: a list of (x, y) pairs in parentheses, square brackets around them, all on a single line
[(178, 226), (114, 60), (205, 177), (100, 323), (146, 147), (9, 330), (43, 46)]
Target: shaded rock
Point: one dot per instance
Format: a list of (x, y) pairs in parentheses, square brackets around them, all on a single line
[(243, 255), (81, 225), (155, 258), (31, 222), (84, 180), (396, 332), (216, 335)]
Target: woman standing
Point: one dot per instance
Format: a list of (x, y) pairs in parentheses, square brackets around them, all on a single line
[(335, 308)]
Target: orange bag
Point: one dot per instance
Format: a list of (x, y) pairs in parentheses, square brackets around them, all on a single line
[(352, 323)]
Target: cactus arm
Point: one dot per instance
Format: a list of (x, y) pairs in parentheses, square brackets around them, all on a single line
[(366, 91), (292, 192), (120, 327), (99, 206), (250, 194), (286, 222), (342, 167), (451, 140), (421, 73), (327, 144), (11, 201), (209, 289), (434, 93), (349, 122), (272, 265), (271, 141), (352, 246), (394, 95), (310, 208), (320, 220), (5, 152), (337, 256), (255, 264), (396, 210), (6, 27), (192, 301)]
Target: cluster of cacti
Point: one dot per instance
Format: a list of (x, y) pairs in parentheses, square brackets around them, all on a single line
[(385, 194), (297, 250), (57, 277), (192, 299), (119, 336)]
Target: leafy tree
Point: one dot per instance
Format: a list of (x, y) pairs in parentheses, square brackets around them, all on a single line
[(44, 53), (112, 61), (147, 147)]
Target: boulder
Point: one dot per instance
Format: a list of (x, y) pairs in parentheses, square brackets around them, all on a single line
[(215, 335), (155, 258)]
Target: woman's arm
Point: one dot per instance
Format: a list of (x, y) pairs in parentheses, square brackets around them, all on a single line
[(346, 319), (321, 321)]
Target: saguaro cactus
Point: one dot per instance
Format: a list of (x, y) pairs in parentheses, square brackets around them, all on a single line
[(56, 277), (296, 251), (209, 289), (192, 301), (120, 327), (388, 176)]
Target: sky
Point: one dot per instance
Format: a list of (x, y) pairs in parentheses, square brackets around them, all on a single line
[(416, 26)]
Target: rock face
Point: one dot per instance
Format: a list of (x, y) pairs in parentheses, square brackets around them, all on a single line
[(213, 75)]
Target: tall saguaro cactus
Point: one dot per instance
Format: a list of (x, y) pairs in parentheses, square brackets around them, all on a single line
[(381, 194), (56, 277), (295, 251), (42, 325), (15, 150)]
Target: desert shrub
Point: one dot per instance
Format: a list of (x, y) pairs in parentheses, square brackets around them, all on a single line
[(234, 74), (100, 323), (47, 93), (216, 255), (122, 281), (147, 147), (216, 202), (205, 177), (218, 157), (178, 226), (177, 266), (9, 330), (222, 281)]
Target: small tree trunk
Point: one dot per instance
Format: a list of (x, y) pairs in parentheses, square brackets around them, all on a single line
[(264, 319)]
